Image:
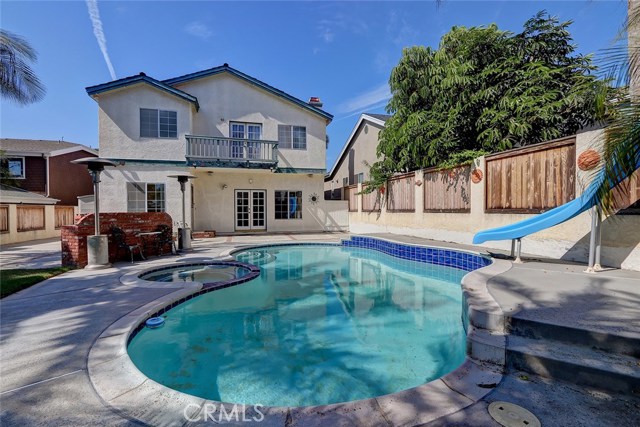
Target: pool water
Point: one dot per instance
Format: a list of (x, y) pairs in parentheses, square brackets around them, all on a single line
[(320, 325)]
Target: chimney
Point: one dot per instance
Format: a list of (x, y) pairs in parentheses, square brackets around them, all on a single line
[(314, 101)]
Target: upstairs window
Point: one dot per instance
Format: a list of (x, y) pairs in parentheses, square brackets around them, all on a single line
[(158, 123), (145, 197), (250, 131), (292, 137), (246, 130), (14, 167)]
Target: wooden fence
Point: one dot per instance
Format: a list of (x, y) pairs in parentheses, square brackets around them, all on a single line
[(447, 190), (531, 179), (350, 194), (371, 202), (4, 219), (64, 216), (401, 196), (626, 196), (30, 218)]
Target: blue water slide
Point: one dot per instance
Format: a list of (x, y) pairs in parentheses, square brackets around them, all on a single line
[(550, 218)]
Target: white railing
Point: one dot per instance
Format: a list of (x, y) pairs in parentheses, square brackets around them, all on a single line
[(209, 148)]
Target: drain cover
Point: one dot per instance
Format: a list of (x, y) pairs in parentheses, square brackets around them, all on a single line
[(510, 415)]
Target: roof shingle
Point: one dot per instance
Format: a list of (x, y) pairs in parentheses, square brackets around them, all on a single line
[(36, 146)]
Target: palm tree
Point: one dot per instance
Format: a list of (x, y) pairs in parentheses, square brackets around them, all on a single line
[(622, 135), (18, 82)]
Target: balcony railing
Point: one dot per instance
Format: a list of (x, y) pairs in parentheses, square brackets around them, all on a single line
[(231, 152)]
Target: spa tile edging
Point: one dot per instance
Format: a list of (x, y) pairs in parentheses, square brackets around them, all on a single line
[(134, 278), (130, 393)]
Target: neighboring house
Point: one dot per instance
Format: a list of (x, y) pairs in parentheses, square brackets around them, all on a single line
[(258, 153), (45, 167), (25, 215), (358, 152)]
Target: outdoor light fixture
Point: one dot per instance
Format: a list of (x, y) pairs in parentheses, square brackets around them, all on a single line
[(97, 245), (184, 233)]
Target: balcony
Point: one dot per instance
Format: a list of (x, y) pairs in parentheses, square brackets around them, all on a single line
[(209, 151)]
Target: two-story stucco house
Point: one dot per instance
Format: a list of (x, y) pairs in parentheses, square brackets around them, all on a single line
[(258, 154), (357, 154)]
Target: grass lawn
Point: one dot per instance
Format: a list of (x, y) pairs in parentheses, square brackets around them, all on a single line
[(20, 278)]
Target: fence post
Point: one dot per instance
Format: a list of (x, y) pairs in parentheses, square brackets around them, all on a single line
[(359, 197), (418, 196)]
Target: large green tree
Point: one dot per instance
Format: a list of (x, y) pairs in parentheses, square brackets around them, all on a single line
[(18, 82), (485, 90)]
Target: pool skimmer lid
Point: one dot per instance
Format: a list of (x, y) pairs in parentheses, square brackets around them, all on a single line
[(510, 415), (154, 322)]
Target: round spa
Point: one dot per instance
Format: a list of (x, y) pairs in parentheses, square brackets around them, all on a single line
[(321, 324), (210, 272)]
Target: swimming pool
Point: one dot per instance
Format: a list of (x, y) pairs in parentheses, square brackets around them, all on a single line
[(321, 324)]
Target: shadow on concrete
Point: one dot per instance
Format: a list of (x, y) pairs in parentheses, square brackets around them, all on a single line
[(613, 252)]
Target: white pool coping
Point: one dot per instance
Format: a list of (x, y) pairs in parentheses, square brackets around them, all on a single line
[(129, 392)]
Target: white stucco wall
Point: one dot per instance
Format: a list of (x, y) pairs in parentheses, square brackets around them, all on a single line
[(215, 205), (119, 124), (224, 98), (113, 187), (569, 240), (363, 149)]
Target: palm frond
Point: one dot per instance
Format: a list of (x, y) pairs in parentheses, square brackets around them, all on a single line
[(18, 81)]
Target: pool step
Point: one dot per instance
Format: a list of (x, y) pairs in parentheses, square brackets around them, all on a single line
[(575, 364), (590, 358), (609, 342)]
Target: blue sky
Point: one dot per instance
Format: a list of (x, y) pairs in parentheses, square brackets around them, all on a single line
[(342, 52)]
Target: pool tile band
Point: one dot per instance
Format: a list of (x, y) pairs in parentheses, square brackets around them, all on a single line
[(439, 256)]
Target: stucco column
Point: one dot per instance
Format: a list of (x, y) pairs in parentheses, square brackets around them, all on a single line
[(477, 196), (418, 196)]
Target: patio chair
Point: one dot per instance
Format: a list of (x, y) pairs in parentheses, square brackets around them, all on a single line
[(120, 240), (165, 238)]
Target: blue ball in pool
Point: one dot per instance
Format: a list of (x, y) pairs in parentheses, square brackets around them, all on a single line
[(154, 322)]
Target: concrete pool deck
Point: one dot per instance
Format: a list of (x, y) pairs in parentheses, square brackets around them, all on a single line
[(48, 330)]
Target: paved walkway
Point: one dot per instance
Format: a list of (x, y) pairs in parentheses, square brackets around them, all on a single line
[(34, 254), (47, 330)]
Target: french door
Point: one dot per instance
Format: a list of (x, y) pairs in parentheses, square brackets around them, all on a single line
[(250, 210)]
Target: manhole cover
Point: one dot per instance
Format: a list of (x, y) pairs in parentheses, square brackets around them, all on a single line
[(510, 415)]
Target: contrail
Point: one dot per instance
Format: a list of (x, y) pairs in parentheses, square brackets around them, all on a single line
[(94, 14)]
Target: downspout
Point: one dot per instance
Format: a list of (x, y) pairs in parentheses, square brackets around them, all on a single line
[(47, 186)]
